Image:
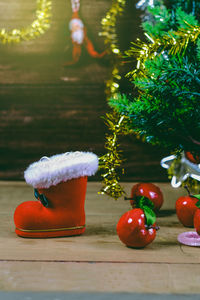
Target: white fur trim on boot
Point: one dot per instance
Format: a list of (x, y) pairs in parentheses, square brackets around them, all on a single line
[(52, 170)]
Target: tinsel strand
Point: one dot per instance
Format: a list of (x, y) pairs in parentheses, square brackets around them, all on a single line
[(174, 42), (113, 158), (37, 27), (111, 41)]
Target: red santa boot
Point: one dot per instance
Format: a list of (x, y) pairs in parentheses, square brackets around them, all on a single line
[(60, 186)]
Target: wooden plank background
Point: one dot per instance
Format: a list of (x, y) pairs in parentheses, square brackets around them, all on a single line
[(46, 108)]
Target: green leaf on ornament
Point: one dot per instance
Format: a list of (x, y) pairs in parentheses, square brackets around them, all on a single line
[(150, 215), (198, 204), (147, 205), (197, 196), (142, 201)]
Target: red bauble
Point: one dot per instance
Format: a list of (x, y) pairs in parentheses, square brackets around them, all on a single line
[(185, 210), (197, 220), (148, 190), (195, 159), (132, 230)]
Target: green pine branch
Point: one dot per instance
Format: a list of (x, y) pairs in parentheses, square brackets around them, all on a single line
[(167, 110)]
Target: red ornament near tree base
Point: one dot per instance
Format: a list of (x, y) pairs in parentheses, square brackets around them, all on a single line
[(148, 190), (197, 221), (185, 210), (133, 231), (195, 159), (191, 238)]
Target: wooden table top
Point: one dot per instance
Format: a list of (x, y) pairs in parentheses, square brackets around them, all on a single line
[(96, 261)]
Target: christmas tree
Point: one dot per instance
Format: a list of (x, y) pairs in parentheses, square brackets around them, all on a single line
[(164, 108)]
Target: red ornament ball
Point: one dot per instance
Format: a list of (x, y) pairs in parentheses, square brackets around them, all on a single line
[(185, 210), (132, 230), (195, 159), (148, 190), (197, 220)]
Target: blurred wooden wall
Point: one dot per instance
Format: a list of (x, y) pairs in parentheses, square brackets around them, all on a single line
[(46, 108)]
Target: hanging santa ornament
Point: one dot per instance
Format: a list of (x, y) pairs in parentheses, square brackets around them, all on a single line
[(79, 36)]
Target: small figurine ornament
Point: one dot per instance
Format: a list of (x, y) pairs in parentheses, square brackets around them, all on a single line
[(59, 184), (79, 36)]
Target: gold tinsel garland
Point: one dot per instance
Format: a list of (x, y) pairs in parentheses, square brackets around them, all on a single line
[(115, 123), (37, 27), (174, 42), (111, 41), (112, 160)]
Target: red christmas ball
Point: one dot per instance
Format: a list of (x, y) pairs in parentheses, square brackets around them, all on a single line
[(197, 220), (148, 190), (133, 231), (195, 159), (185, 210)]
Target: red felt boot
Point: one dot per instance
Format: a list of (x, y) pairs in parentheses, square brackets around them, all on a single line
[(60, 184)]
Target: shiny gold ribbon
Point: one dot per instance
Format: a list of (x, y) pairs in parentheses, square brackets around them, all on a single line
[(34, 30)]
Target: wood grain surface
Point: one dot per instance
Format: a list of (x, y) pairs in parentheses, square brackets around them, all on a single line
[(96, 261)]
